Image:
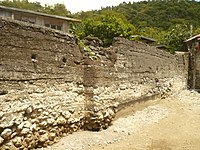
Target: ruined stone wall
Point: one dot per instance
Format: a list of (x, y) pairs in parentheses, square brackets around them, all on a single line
[(50, 87), (140, 71), (40, 85)]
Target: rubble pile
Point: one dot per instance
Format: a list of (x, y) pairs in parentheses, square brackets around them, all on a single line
[(40, 128), (100, 118)]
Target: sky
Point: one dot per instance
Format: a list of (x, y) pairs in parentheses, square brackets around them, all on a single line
[(83, 5)]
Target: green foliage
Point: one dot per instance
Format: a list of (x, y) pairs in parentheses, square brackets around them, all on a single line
[(57, 9), (161, 14), (157, 19), (155, 33), (176, 36), (163, 20), (197, 31), (87, 49), (22, 4), (106, 26)]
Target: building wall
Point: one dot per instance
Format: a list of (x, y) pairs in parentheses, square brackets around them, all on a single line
[(5, 14), (49, 86), (197, 72), (54, 23), (40, 20), (194, 64), (66, 26)]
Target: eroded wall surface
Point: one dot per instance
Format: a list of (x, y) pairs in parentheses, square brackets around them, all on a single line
[(140, 70), (50, 87)]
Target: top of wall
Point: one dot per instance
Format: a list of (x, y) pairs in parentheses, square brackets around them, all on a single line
[(35, 28)]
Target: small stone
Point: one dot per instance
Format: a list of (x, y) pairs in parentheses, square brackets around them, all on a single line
[(53, 130), (42, 118), (110, 142), (11, 123), (6, 134), (42, 132), (50, 121), (33, 127), (35, 121), (116, 105), (29, 135), (25, 131), (71, 120), (1, 140), (122, 87), (29, 110), (20, 127), (123, 130), (17, 141), (27, 140), (111, 112), (54, 114), (14, 134), (3, 92), (43, 138), (1, 114), (27, 124), (40, 110), (52, 136), (9, 145), (66, 114), (25, 118), (18, 121), (43, 123), (61, 120), (45, 113), (71, 110)]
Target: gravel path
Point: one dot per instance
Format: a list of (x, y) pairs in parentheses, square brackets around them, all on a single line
[(120, 129), (157, 121)]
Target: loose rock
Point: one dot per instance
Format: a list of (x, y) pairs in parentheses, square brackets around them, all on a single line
[(6, 134), (1, 140)]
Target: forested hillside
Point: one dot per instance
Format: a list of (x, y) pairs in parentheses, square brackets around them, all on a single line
[(161, 13), (168, 21)]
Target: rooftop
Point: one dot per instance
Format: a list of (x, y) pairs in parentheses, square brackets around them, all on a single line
[(192, 38), (151, 40), (39, 13)]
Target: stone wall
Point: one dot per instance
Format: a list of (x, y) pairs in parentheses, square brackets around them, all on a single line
[(50, 87), (140, 70)]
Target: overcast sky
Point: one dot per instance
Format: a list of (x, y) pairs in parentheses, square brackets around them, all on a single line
[(83, 5)]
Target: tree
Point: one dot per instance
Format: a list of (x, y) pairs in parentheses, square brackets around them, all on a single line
[(176, 36), (57, 9), (155, 33), (106, 26)]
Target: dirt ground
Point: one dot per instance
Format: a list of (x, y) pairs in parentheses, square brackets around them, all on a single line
[(168, 124)]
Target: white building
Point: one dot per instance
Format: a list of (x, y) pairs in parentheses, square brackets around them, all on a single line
[(51, 21)]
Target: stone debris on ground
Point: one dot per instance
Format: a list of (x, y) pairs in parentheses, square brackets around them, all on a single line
[(127, 126), (120, 129)]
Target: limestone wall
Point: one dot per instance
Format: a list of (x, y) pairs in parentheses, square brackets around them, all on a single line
[(140, 70), (50, 87)]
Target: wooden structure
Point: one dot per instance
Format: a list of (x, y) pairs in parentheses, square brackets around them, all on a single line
[(193, 46)]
